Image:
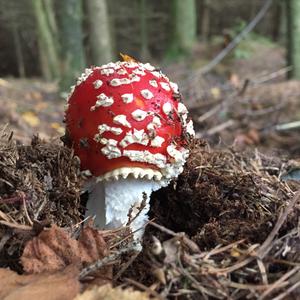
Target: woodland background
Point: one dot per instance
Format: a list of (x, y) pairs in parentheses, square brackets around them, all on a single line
[(56, 39)]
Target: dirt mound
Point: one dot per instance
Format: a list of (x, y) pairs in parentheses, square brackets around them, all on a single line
[(223, 196), (233, 223), (38, 186), (225, 211)]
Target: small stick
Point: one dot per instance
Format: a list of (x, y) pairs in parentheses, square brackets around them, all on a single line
[(277, 283), (263, 250), (193, 246), (220, 127), (17, 226), (287, 126), (288, 291), (144, 288), (106, 260), (126, 265)]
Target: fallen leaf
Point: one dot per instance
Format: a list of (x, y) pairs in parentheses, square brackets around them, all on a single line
[(254, 135), (60, 129), (127, 58), (62, 285), (35, 95), (106, 292), (215, 92), (235, 80), (54, 249), (30, 118), (41, 106), (235, 253), (4, 83)]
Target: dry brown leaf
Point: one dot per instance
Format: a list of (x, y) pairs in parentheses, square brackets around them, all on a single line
[(106, 292), (215, 92), (62, 285), (54, 249), (31, 118), (127, 58)]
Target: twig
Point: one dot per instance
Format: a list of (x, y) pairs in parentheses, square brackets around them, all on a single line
[(207, 255), (265, 111), (193, 246), (264, 248), (126, 265), (220, 127), (244, 88), (237, 39), (16, 226), (23, 197), (288, 291), (272, 75), (106, 260), (210, 113), (6, 217), (287, 126), (195, 284), (144, 288), (263, 271), (140, 208), (277, 284)]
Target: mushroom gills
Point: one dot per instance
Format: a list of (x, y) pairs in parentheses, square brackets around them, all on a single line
[(110, 202)]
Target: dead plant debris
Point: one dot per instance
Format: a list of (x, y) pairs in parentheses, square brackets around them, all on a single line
[(38, 187), (228, 228), (244, 221), (54, 249)]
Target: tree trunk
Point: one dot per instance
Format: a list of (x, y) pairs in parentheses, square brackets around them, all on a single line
[(99, 32), (184, 26), (69, 13), (145, 53), (46, 42), (205, 22), (49, 11), (276, 21), (293, 44), (18, 48)]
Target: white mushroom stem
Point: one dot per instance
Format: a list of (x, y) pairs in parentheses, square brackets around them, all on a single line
[(110, 202)]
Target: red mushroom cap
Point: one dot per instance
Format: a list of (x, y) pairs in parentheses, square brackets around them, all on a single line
[(127, 115)]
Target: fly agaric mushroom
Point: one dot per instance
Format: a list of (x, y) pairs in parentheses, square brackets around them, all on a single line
[(127, 125)]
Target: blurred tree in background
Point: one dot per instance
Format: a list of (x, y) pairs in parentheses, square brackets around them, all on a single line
[(57, 39), (100, 32), (184, 26), (293, 53), (47, 38), (69, 19)]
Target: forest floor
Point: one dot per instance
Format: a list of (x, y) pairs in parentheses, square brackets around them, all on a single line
[(228, 228)]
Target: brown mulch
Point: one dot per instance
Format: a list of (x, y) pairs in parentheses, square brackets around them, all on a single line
[(38, 186)]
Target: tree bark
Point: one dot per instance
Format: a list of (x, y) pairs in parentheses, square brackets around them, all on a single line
[(205, 22), (293, 44), (19, 53), (184, 26), (99, 32), (46, 42), (145, 53), (69, 13)]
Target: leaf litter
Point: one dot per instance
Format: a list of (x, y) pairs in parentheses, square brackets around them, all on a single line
[(227, 228)]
